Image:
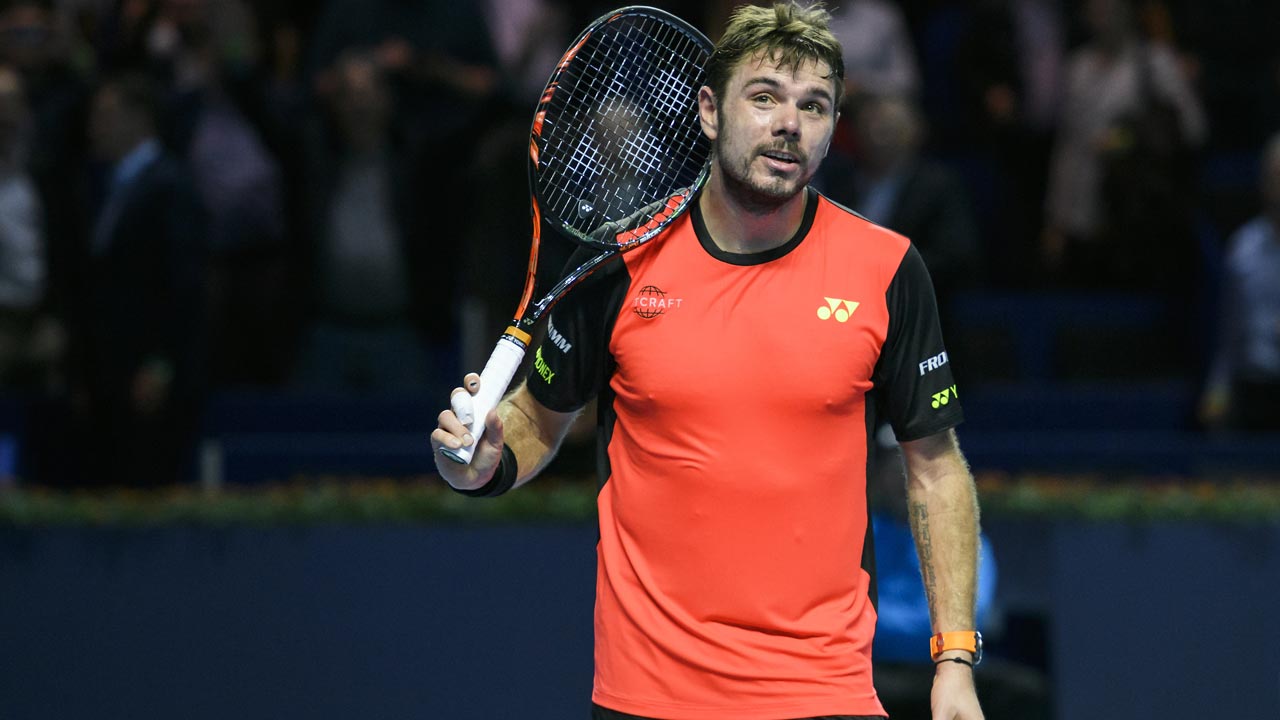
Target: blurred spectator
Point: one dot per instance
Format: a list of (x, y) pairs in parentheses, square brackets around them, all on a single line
[(286, 92), (381, 285), (437, 56), (1269, 113), (889, 182), (436, 61), (29, 34), (879, 59), (1243, 389), (239, 182), (211, 50), (124, 37), (141, 324), (1120, 186), (879, 56), (25, 351), (286, 99), (55, 147), (1010, 61), (198, 38), (529, 36), (1007, 73)]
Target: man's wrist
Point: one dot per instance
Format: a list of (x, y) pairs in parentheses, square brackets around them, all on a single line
[(955, 643), (503, 478), (955, 660)]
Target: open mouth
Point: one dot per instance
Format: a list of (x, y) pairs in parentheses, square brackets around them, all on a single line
[(782, 156), (781, 160)]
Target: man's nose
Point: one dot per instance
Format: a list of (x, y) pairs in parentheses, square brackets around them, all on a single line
[(787, 121)]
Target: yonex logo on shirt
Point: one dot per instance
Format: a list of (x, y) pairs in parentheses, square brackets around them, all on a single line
[(836, 308), (544, 370), (944, 397)]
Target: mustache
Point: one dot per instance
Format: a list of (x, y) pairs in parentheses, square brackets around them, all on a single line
[(791, 149)]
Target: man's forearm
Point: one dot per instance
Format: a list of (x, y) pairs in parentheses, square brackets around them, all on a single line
[(943, 508), (532, 432)]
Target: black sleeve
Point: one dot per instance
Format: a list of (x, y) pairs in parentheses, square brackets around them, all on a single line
[(914, 385), (573, 362)]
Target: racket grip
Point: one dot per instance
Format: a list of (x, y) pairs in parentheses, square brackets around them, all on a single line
[(494, 380)]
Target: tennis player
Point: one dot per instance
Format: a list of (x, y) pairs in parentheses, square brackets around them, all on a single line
[(741, 361)]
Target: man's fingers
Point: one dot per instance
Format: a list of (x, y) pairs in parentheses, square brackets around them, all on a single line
[(442, 439), (452, 426), (461, 403), (454, 429)]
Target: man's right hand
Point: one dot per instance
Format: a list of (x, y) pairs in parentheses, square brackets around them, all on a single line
[(453, 433)]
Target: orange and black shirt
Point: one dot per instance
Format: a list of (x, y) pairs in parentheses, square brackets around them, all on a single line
[(737, 395)]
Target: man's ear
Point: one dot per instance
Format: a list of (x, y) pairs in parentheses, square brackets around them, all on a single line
[(835, 127), (708, 112)]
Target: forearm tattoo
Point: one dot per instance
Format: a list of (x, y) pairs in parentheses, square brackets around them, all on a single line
[(924, 546)]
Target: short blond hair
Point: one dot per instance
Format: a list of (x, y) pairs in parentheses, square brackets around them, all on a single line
[(787, 32)]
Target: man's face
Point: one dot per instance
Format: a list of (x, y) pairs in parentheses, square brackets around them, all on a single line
[(772, 128)]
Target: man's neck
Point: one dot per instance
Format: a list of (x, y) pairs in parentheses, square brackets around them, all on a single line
[(737, 228)]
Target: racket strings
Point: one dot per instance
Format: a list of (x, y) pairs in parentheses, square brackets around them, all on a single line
[(622, 130)]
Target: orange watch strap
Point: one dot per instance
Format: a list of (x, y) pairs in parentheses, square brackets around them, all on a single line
[(960, 640)]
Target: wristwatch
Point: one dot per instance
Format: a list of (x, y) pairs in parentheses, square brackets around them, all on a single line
[(967, 640)]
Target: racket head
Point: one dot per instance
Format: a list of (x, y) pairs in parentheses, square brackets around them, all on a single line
[(616, 150)]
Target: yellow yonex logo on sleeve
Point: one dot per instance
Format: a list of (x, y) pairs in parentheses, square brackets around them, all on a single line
[(836, 308), (540, 365), (944, 397)]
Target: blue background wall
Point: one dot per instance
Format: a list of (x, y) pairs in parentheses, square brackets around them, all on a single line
[(459, 622), (325, 622)]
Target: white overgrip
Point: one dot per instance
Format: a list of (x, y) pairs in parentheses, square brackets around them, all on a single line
[(494, 379)]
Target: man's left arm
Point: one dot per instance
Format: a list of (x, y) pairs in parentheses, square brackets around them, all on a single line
[(943, 508)]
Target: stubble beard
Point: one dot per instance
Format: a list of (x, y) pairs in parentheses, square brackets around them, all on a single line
[(758, 197)]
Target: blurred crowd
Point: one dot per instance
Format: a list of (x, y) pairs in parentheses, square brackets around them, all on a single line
[(208, 194)]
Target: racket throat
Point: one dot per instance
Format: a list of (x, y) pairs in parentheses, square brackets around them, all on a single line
[(566, 283)]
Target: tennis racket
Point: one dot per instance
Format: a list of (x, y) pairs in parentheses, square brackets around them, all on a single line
[(616, 153)]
